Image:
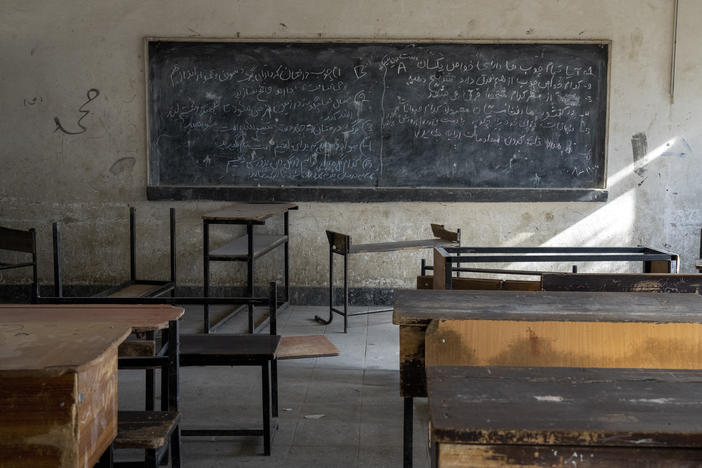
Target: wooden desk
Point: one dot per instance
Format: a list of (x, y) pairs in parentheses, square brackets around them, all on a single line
[(58, 398), (58, 368), (245, 249), (139, 318), (519, 416), (518, 328)]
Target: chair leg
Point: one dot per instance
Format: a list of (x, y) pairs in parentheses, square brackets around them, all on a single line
[(346, 292), (331, 290), (407, 432), (274, 387), (265, 390), (149, 390), (106, 459), (175, 448), (150, 460)]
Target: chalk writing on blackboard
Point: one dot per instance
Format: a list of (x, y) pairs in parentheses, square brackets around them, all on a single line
[(377, 115)]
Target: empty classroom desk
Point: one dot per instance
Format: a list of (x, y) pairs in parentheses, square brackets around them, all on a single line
[(529, 328), (58, 401), (70, 350)]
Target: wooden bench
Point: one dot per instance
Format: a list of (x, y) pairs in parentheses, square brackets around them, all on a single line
[(340, 244), (590, 417), (416, 310), (22, 242)]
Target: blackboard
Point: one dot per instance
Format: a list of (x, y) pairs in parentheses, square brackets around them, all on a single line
[(334, 121)]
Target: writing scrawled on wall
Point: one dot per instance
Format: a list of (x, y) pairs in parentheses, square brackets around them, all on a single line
[(377, 115)]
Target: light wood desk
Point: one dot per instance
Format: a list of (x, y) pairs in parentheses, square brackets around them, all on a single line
[(510, 328), (58, 368), (58, 399)]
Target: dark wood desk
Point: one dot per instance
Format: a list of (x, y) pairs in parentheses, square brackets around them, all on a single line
[(555, 416), (58, 367), (245, 249), (519, 328)]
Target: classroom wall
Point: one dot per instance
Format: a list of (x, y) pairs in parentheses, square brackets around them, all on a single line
[(73, 132)]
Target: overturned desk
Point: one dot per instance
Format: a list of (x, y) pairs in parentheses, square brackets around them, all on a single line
[(340, 244), (246, 248), (454, 260)]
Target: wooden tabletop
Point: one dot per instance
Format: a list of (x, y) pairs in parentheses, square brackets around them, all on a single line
[(58, 403), (249, 211), (55, 346), (565, 406), (139, 317), (418, 307)]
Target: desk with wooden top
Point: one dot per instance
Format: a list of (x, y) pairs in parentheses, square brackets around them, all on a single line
[(246, 248), (58, 367), (510, 328), (563, 416)]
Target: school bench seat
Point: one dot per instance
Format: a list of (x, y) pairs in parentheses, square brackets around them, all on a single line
[(526, 416), (21, 242), (340, 244), (155, 432)]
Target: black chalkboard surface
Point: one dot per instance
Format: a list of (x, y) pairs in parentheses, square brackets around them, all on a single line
[(377, 121)]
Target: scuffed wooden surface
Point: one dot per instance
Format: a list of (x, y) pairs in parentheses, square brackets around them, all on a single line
[(528, 456), (249, 211), (567, 344), (138, 316), (621, 282), (565, 406), (422, 306), (58, 398)]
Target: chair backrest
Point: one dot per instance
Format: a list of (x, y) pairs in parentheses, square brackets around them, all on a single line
[(440, 232), (16, 240), (340, 243)]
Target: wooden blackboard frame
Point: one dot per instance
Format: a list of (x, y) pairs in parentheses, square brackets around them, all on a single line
[(257, 193)]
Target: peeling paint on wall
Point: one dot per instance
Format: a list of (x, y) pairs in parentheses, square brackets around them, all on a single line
[(122, 165)]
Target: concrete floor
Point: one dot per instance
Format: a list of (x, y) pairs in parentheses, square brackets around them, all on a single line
[(343, 411)]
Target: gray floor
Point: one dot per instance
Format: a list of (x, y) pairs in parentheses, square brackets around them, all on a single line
[(342, 411)]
